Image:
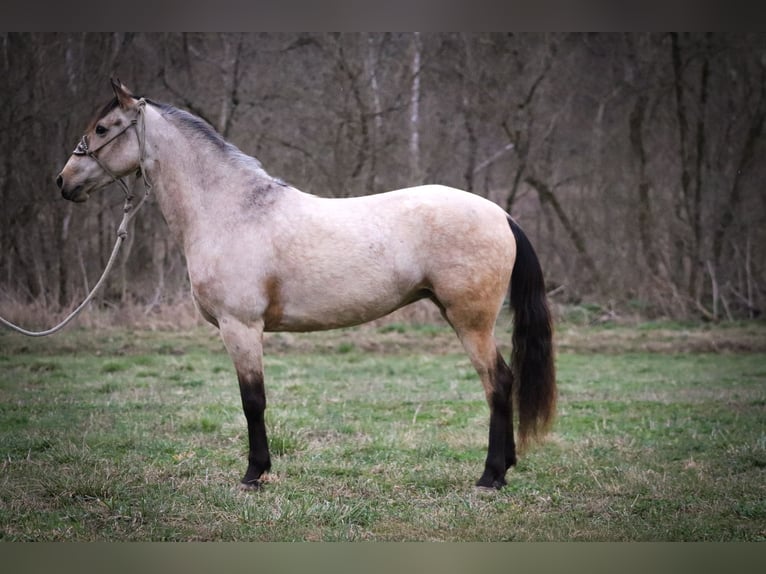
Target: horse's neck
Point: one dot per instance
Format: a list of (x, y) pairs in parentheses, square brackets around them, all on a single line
[(197, 192)]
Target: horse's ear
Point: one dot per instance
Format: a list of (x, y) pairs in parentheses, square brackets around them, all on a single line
[(123, 95)]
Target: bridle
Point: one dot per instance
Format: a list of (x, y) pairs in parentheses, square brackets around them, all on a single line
[(139, 122), (129, 210)]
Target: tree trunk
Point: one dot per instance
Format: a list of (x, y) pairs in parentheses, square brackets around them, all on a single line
[(230, 75), (414, 144), (696, 206), (736, 192), (636, 123), (371, 63), (681, 201)]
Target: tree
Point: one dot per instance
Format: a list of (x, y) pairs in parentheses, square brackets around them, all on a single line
[(633, 160)]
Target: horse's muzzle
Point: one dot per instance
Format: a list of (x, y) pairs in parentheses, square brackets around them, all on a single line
[(76, 194)]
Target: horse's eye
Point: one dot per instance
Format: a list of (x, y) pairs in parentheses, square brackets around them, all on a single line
[(100, 130)]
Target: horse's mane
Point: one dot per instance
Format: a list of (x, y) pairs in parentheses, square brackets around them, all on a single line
[(197, 128), (194, 127)]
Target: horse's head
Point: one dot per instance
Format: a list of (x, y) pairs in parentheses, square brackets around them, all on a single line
[(107, 151)]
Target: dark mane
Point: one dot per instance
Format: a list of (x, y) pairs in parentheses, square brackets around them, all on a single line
[(190, 124), (196, 127)]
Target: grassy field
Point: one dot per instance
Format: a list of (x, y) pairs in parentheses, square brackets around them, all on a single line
[(378, 433)]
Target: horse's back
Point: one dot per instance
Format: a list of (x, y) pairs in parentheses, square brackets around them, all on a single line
[(452, 228), (438, 200), (425, 214), (432, 238)]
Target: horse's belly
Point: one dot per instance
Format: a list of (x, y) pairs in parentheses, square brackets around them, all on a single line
[(304, 320), (315, 306)]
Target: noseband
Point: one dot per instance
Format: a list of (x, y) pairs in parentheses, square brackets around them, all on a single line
[(139, 122)]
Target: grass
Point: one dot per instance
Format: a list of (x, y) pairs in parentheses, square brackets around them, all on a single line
[(378, 433)]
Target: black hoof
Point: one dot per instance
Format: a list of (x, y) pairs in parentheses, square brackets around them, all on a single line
[(254, 475), (487, 482), (251, 486)]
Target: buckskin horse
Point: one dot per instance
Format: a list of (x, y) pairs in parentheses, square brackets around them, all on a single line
[(264, 256)]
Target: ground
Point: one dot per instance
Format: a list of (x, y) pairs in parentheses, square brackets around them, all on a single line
[(378, 433)]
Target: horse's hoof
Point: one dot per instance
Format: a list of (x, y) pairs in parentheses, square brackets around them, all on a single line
[(490, 484), (253, 486)]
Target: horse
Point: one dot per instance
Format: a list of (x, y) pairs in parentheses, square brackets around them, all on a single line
[(263, 256)]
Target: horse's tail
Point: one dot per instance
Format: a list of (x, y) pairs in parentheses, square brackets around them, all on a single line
[(532, 357)]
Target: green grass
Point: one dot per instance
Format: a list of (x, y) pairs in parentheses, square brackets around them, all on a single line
[(379, 433)]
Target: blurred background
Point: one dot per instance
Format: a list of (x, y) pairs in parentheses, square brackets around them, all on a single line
[(635, 162)]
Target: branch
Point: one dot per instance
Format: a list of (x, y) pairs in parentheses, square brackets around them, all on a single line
[(494, 157), (547, 196)]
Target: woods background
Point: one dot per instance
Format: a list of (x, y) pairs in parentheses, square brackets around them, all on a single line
[(633, 161)]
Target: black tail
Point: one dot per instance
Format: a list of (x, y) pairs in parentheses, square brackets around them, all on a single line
[(532, 357)]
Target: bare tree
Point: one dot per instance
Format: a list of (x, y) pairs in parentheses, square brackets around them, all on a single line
[(415, 169), (634, 160)]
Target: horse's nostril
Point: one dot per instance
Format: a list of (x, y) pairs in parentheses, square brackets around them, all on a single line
[(60, 181)]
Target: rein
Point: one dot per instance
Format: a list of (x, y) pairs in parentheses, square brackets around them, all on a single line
[(129, 211)]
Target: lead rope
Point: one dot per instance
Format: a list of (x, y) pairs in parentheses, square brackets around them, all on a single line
[(129, 211)]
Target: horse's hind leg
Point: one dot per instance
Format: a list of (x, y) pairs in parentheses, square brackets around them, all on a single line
[(245, 347), (504, 381), (474, 325), (497, 380)]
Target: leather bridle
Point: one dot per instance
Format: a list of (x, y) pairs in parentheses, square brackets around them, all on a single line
[(139, 122)]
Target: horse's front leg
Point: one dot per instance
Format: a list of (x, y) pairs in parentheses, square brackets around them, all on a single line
[(244, 344)]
